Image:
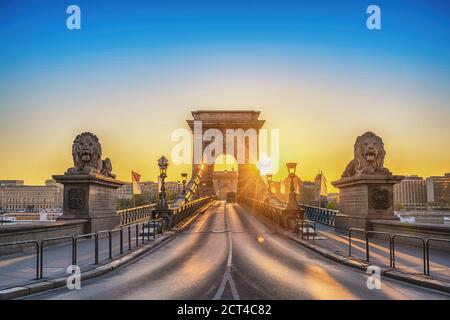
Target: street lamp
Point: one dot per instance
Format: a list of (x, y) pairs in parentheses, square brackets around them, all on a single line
[(269, 182), (292, 166), (184, 180), (163, 163), (292, 202)]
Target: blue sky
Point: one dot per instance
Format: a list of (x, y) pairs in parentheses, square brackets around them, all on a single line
[(34, 33)]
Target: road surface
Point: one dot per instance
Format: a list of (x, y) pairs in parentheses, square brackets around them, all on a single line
[(229, 254)]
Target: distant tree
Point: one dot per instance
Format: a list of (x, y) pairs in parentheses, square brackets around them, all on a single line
[(172, 196), (140, 200), (332, 206), (124, 204)]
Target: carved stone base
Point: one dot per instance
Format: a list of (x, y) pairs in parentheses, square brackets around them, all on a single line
[(91, 197), (363, 198)]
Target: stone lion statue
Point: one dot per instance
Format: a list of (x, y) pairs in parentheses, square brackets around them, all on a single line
[(369, 156), (87, 156)]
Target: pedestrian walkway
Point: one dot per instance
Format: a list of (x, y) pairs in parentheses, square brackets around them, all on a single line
[(20, 268), (408, 258)]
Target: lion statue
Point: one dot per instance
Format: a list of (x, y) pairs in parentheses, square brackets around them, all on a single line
[(87, 156), (369, 156)]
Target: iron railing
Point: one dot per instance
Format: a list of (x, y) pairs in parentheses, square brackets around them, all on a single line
[(268, 210), (422, 241), (136, 214), (135, 218), (424, 244), (278, 214), (179, 213), (427, 246), (326, 216), (308, 224), (74, 241), (35, 243), (320, 215)]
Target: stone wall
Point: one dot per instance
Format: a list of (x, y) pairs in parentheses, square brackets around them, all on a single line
[(38, 232)]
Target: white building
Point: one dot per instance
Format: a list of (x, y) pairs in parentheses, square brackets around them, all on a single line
[(15, 196), (125, 191), (411, 192)]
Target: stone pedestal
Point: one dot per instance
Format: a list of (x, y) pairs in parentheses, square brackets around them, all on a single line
[(364, 198), (91, 197)]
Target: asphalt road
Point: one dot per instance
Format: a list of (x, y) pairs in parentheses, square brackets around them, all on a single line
[(229, 254)]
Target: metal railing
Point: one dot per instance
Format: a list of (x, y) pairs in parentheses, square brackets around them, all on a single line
[(350, 231), (83, 236), (179, 213), (309, 224), (74, 242), (390, 245), (136, 214), (268, 210), (427, 246), (392, 237), (321, 215), (422, 241), (72, 239), (33, 242), (142, 217)]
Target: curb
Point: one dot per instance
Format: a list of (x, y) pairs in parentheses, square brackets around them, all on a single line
[(25, 290), (422, 281)]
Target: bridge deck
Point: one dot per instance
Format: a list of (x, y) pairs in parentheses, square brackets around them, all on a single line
[(229, 254)]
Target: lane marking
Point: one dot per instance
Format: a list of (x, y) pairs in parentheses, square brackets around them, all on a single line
[(227, 275)]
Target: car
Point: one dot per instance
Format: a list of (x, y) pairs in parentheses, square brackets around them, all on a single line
[(231, 197)]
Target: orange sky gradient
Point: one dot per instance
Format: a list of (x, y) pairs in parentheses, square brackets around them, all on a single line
[(320, 107)]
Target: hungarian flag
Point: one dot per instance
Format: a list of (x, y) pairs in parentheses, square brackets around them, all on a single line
[(135, 178)]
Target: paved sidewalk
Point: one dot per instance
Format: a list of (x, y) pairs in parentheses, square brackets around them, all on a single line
[(20, 268), (408, 258)]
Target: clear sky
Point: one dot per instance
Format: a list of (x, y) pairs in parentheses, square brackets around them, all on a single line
[(135, 70)]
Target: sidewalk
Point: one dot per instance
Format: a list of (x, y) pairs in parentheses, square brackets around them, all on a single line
[(407, 258), (20, 268), (18, 271), (409, 262)]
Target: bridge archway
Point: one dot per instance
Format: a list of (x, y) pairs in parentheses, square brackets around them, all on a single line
[(249, 182)]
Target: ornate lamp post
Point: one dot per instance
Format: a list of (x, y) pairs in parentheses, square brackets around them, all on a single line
[(292, 202), (163, 163), (269, 183), (184, 180)]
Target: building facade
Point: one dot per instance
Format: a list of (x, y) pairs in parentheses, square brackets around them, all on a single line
[(411, 192), (125, 191), (438, 190), (150, 189), (173, 189), (15, 196)]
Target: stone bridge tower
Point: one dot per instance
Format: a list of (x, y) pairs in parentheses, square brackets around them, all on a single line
[(250, 182)]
